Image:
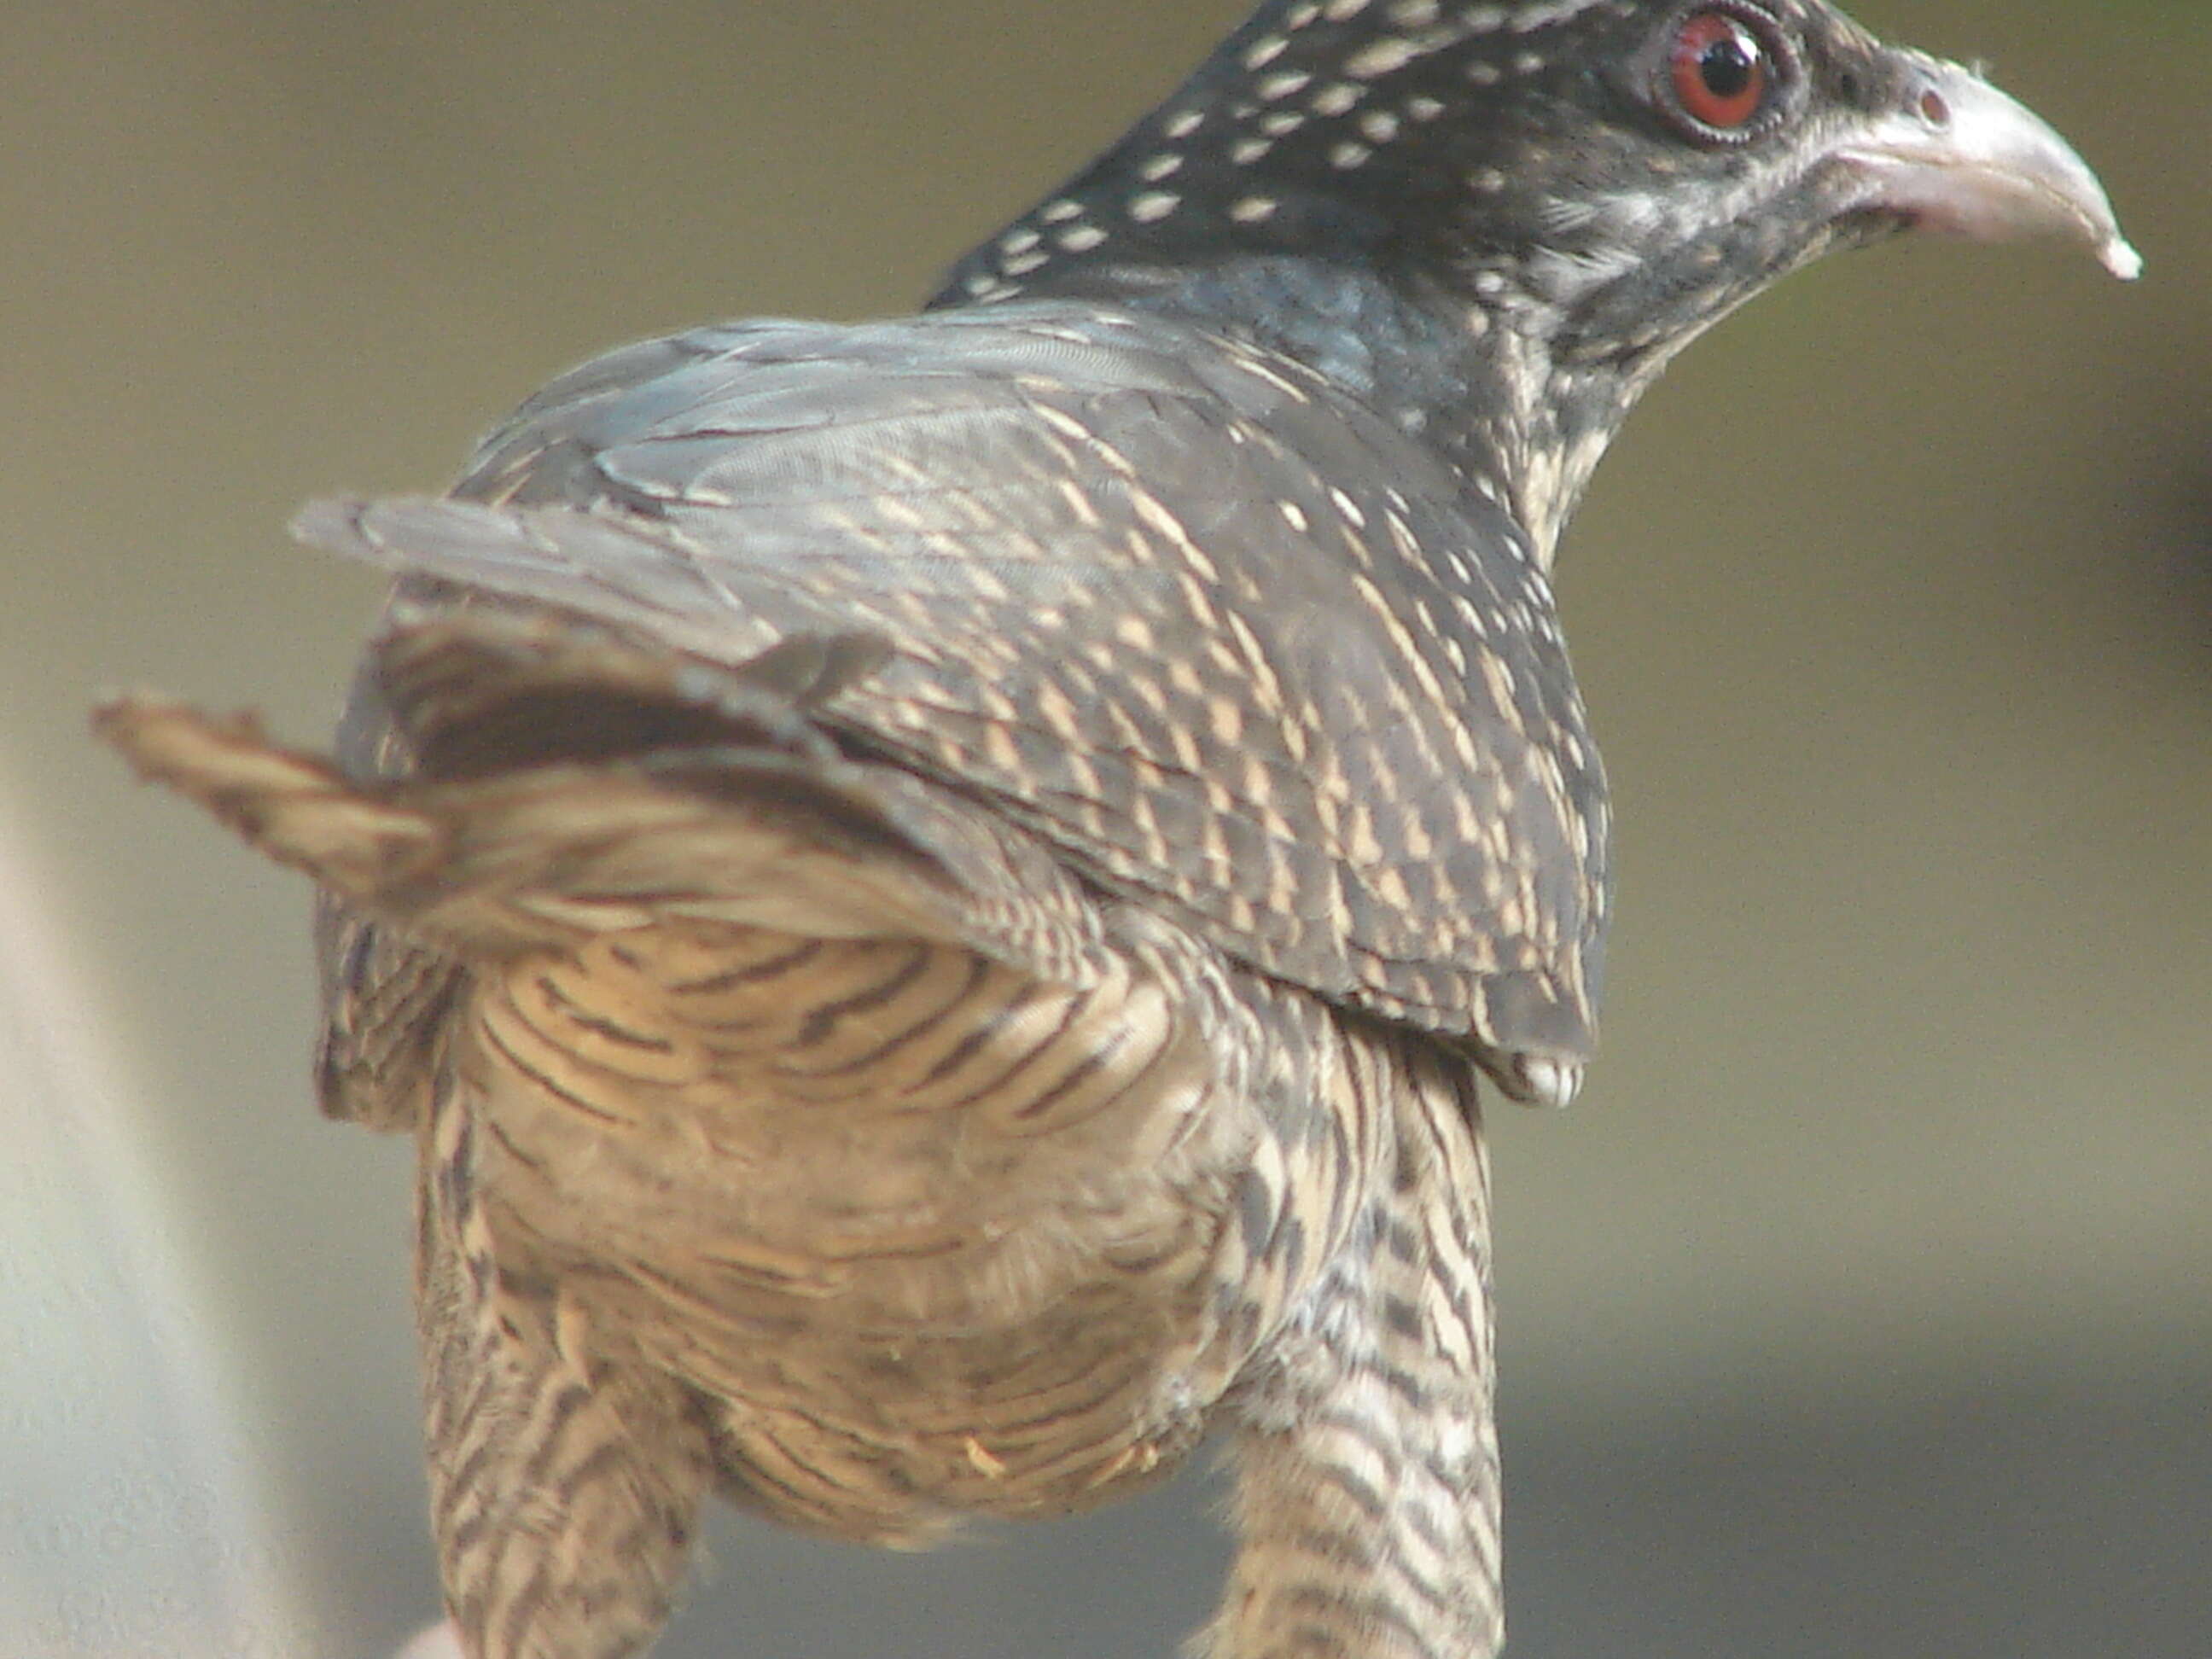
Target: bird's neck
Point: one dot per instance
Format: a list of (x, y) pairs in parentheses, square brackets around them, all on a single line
[(1477, 385)]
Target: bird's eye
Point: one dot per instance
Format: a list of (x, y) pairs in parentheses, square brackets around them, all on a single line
[(1721, 71)]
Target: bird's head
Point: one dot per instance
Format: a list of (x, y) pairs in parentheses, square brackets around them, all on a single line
[(1527, 208)]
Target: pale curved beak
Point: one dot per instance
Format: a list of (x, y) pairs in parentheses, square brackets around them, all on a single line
[(1961, 156)]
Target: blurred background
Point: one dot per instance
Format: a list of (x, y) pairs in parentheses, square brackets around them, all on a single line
[(1861, 1305)]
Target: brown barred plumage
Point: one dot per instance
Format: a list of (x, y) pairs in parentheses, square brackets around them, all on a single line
[(873, 1233)]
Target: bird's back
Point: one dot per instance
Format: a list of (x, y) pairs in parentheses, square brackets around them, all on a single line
[(920, 918), (1221, 636)]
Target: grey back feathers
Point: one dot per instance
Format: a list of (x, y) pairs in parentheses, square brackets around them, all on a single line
[(1230, 641)]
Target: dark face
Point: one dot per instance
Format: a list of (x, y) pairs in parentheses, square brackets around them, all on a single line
[(1624, 193), (1607, 176)]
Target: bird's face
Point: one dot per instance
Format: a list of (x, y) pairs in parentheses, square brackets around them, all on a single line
[(1608, 175), (1646, 167)]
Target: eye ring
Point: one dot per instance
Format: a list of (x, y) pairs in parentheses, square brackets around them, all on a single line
[(1721, 71)]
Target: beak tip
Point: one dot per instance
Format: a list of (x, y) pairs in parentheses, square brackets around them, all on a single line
[(2117, 255)]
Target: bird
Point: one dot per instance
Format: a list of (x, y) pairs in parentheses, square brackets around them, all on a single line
[(942, 898)]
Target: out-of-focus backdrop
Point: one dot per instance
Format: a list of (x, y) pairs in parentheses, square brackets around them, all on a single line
[(1861, 1306)]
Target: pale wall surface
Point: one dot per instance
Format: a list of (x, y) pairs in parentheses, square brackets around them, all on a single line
[(1860, 1308)]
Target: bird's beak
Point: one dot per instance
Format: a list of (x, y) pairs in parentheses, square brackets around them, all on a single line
[(1957, 155)]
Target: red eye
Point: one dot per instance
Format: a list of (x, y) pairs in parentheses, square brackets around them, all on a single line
[(1721, 69)]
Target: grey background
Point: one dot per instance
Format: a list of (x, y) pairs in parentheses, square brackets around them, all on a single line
[(1860, 1307)]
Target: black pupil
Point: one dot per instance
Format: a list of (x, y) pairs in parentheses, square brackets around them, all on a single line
[(1727, 67)]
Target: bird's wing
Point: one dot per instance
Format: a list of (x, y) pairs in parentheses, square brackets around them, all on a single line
[(1223, 637)]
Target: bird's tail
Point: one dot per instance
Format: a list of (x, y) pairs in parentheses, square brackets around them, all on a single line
[(562, 781)]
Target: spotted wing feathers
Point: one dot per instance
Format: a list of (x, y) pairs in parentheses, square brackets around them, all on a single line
[(1123, 599)]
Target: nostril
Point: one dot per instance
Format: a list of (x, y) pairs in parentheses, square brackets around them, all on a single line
[(1935, 108)]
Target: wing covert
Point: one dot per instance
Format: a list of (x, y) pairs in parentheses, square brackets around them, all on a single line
[(1133, 603)]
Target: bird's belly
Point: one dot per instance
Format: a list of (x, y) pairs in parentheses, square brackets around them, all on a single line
[(931, 1237), (891, 1438)]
